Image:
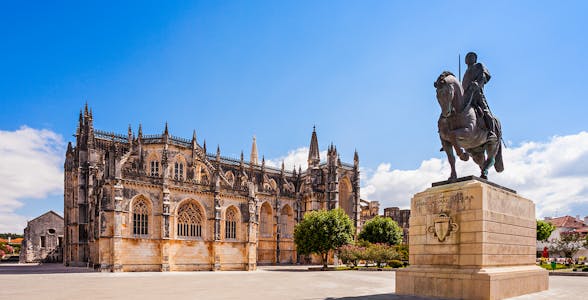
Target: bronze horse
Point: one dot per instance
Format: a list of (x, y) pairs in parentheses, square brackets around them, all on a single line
[(461, 128)]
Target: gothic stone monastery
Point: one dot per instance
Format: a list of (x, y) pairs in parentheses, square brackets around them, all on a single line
[(163, 203)]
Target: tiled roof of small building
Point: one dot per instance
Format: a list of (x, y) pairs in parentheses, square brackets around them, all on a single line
[(567, 222)]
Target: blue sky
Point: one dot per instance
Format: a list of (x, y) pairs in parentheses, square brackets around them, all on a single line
[(361, 71)]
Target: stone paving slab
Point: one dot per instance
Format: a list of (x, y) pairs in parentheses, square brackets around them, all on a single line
[(51, 281)]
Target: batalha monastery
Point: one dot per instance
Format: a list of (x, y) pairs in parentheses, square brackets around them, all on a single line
[(163, 203)]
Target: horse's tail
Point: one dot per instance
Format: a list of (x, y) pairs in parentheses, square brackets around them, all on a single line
[(499, 163)]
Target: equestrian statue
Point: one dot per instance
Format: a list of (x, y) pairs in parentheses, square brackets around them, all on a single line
[(466, 123)]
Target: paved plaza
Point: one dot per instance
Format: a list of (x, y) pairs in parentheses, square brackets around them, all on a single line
[(53, 281)]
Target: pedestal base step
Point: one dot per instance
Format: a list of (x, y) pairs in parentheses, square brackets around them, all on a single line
[(485, 283)]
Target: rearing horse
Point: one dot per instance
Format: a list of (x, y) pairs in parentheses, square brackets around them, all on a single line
[(460, 128)]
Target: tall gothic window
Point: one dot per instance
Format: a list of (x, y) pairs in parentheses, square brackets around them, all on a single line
[(189, 221), (179, 171), (140, 218), (265, 221), (154, 168), (286, 222), (231, 223)]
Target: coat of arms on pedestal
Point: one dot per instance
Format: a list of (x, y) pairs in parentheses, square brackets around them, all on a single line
[(442, 227)]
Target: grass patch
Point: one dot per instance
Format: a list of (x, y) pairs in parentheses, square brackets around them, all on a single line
[(557, 266)]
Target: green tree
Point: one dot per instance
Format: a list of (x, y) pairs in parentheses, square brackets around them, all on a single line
[(544, 230), (381, 230), (322, 231)]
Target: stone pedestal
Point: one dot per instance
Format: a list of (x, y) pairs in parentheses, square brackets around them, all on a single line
[(471, 240)]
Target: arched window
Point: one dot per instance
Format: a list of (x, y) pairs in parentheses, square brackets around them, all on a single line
[(346, 201), (265, 221), (286, 222), (189, 220), (140, 217), (231, 223), (154, 168), (179, 171)]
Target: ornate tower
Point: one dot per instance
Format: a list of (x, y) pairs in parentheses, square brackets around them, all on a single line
[(254, 156), (314, 158)]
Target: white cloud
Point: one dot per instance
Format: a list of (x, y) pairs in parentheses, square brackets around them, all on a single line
[(553, 174), (32, 168)]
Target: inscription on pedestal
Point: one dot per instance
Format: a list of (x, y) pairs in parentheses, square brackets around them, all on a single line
[(442, 203)]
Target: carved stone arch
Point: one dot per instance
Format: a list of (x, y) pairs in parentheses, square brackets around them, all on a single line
[(230, 178), (190, 220), (273, 185), (266, 224), (232, 218), (346, 199), (287, 221), (202, 174), (140, 216)]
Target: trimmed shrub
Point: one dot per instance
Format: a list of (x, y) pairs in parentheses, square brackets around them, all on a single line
[(395, 263)]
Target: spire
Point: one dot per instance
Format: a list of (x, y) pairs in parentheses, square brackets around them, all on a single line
[(89, 127), (204, 147), (69, 148), (218, 152), (294, 170), (242, 158), (254, 156), (313, 153), (166, 131), (356, 158), (130, 135), (263, 163), (282, 166), (80, 124), (140, 133), (194, 142), (86, 109)]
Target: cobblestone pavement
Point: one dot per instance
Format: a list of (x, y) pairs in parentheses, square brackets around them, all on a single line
[(53, 281)]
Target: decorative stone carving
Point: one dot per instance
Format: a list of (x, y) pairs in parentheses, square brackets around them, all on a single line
[(442, 227)]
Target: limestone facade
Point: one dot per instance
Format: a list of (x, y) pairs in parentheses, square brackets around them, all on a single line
[(164, 203), (43, 239), (369, 210)]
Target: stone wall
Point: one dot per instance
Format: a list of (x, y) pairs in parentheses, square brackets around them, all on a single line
[(43, 239)]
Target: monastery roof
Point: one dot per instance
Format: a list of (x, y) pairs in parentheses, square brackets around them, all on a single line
[(183, 142), (567, 222)]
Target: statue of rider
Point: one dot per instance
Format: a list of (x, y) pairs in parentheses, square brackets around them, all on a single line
[(474, 79)]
